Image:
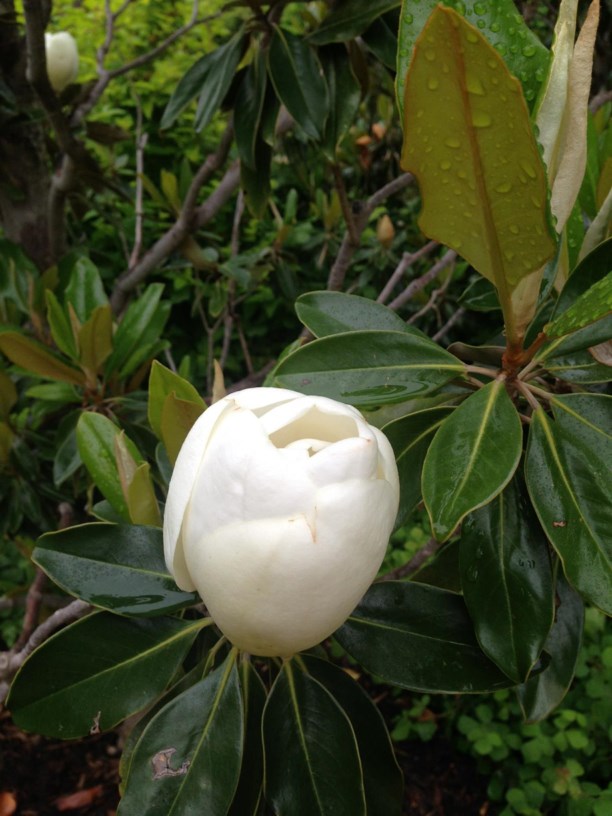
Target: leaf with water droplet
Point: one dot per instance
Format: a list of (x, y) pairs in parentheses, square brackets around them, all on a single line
[(526, 57), (499, 195), (594, 304)]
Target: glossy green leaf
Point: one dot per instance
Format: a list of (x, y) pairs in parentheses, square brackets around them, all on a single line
[(568, 478), (498, 20), (141, 325), (218, 79), (350, 18), (344, 96), (591, 269), (249, 108), (464, 112), (368, 368), (96, 340), (67, 459), (590, 335), (299, 83), (594, 304), (187, 761), (96, 443), (325, 313), (255, 181), (118, 567), (96, 672), (85, 291), (442, 569), (472, 457), (419, 637), (248, 793), (162, 383), (410, 437), (578, 367), (542, 693), (382, 777), (198, 78), (61, 330), (480, 296), (381, 39), (507, 581), (311, 757), (33, 357)]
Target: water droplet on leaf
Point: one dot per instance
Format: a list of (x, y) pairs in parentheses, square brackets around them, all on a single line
[(481, 119)]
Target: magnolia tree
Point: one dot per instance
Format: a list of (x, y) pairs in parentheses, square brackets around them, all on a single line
[(205, 616)]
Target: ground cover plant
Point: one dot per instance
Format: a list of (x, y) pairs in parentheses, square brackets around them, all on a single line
[(402, 177)]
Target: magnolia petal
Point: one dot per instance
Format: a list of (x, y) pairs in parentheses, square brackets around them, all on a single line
[(244, 477), (181, 486), (274, 588), (599, 229), (355, 458), (309, 418), (257, 399), (386, 460)]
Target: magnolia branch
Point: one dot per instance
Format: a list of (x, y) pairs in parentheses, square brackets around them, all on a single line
[(361, 214), (11, 661), (420, 283), (190, 218)]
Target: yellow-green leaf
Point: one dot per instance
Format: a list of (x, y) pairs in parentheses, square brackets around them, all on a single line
[(178, 416), (469, 142), (169, 185), (163, 381), (141, 501), (96, 339), (33, 357), (6, 440)]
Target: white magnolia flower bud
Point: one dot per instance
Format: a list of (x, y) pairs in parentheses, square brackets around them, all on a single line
[(279, 512), (62, 59)]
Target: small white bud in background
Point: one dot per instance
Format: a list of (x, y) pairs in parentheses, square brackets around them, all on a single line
[(62, 59)]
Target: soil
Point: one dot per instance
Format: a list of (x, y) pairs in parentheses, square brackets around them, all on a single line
[(45, 777)]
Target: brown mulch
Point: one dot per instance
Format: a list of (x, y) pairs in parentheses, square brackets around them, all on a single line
[(45, 777)]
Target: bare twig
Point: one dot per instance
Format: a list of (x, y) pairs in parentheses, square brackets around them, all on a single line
[(420, 283), (191, 217), (408, 259), (141, 143), (11, 661), (347, 212), (341, 265), (415, 563), (599, 100), (449, 324)]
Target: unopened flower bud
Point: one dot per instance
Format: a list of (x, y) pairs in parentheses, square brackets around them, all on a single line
[(62, 59)]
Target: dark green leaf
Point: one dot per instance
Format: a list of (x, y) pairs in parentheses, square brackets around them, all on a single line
[(141, 325), (595, 266), (507, 581), (67, 459), (419, 637), (381, 774), (218, 79), (471, 458), (567, 472), (578, 367), (187, 761), (542, 693), (410, 437), (480, 296), (248, 793), (442, 570), (97, 672), (349, 18), (85, 290), (344, 96), (298, 80), (498, 20), (198, 76), (369, 368), (381, 40), (61, 330), (249, 108), (117, 567), (255, 181), (311, 758), (325, 313)]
